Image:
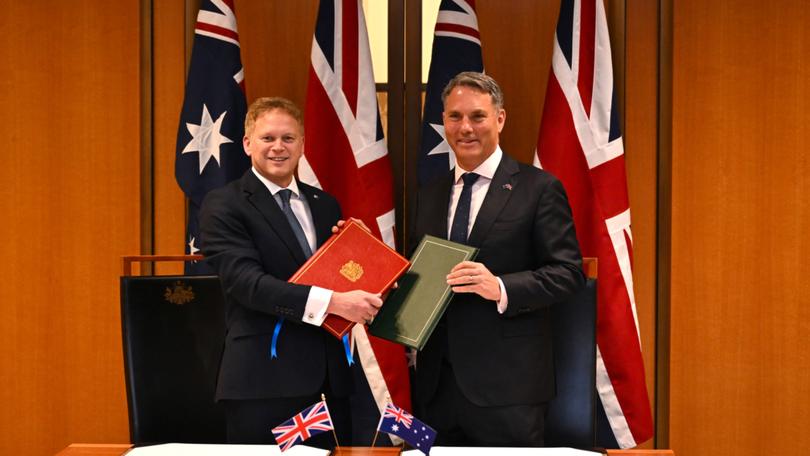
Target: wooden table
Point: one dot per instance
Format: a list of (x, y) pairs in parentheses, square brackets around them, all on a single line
[(95, 449), (101, 449)]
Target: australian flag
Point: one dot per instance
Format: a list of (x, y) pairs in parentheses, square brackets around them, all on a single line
[(397, 421), (209, 139), (456, 48)]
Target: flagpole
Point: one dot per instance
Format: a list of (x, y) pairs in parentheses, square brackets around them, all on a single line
[(377, 432), (323, 398)]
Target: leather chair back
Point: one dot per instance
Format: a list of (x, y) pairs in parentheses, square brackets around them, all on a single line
[(173, 329), (571, 416)]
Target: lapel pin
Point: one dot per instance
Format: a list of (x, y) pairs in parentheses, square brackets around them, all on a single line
[(508, 187)]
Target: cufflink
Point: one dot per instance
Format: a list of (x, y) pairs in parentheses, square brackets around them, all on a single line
[(311, 316)]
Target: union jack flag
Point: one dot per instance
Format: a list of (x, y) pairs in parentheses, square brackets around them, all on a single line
[(311, 421), (581, 143), (209, 139), (399, 415), (456, 48), (345, 155)]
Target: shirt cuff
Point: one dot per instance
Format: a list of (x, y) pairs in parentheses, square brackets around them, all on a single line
[(504, 301), (317, 302)]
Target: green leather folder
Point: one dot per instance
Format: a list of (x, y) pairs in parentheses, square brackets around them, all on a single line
[(412, 310)]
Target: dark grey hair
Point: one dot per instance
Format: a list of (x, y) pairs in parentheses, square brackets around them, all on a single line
[(478, 81)]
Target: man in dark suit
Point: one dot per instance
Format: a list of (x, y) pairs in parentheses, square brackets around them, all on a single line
[(256, 232), (486, 374)]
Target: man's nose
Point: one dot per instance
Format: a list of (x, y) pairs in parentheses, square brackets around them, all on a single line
[(466, 125)]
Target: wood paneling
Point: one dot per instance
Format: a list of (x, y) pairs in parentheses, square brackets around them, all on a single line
[(640, 145), (69, 75), (517, 41), (276, 39), (740, 218), (169, 75)]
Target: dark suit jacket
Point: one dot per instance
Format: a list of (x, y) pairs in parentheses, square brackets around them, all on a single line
[(525, 235), (248, 240)]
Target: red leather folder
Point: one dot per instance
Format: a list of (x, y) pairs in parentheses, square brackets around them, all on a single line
[(352, 259)]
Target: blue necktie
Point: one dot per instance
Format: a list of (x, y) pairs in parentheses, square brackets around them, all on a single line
[(461, 220), (285, 194)]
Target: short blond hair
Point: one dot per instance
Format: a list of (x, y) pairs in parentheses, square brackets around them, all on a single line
[(266, 104)]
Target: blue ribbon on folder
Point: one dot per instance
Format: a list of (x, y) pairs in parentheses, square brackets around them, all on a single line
[(347, 346), (274, 343)]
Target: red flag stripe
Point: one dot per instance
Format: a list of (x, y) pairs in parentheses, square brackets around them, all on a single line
[(462, 29), (350, 44), (217, 30), (587, 37)]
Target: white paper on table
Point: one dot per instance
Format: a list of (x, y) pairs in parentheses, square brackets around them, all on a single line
[(476, 451), (199, 449)]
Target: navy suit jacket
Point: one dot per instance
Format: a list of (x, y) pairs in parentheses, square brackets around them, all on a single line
[(525, 235), (247, 239)]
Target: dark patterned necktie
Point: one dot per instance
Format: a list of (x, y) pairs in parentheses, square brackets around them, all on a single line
[(461, 220), (294, 224)]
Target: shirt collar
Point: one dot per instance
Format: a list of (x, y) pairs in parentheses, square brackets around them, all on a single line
[(275, 188), (486, 169)]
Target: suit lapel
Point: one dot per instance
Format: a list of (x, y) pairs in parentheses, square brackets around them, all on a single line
[(438, 205), (500, 190), (260, 197)]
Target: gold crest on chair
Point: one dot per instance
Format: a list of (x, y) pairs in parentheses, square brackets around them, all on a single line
[(179, 294)]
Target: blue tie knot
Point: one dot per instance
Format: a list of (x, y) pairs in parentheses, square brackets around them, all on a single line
[(469, 179), (285, 194)]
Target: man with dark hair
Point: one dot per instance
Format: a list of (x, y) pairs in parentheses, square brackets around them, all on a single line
[(486, 375), (256, 232)]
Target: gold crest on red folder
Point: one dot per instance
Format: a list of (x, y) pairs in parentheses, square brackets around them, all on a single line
[(352, 270)]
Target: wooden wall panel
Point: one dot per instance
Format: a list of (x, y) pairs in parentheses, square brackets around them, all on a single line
[(69, 76), (740, 218), (276, 58), (168, 62), (641, 147), (517, 41)]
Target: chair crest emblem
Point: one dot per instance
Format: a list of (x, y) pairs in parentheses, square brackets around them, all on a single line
[(179, 293)]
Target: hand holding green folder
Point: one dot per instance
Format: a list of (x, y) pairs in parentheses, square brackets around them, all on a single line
[(412, 311)]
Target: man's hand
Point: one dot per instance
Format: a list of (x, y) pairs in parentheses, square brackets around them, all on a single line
[(472, 277), (340, 224), (357, 305)]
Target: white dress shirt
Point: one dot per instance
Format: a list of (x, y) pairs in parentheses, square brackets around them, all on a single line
[(318, 299), (485, 171)]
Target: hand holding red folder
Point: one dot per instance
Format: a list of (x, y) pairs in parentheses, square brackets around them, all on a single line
[(352, 259)]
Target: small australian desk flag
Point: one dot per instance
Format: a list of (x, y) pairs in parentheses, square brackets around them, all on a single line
[(397, 421)]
